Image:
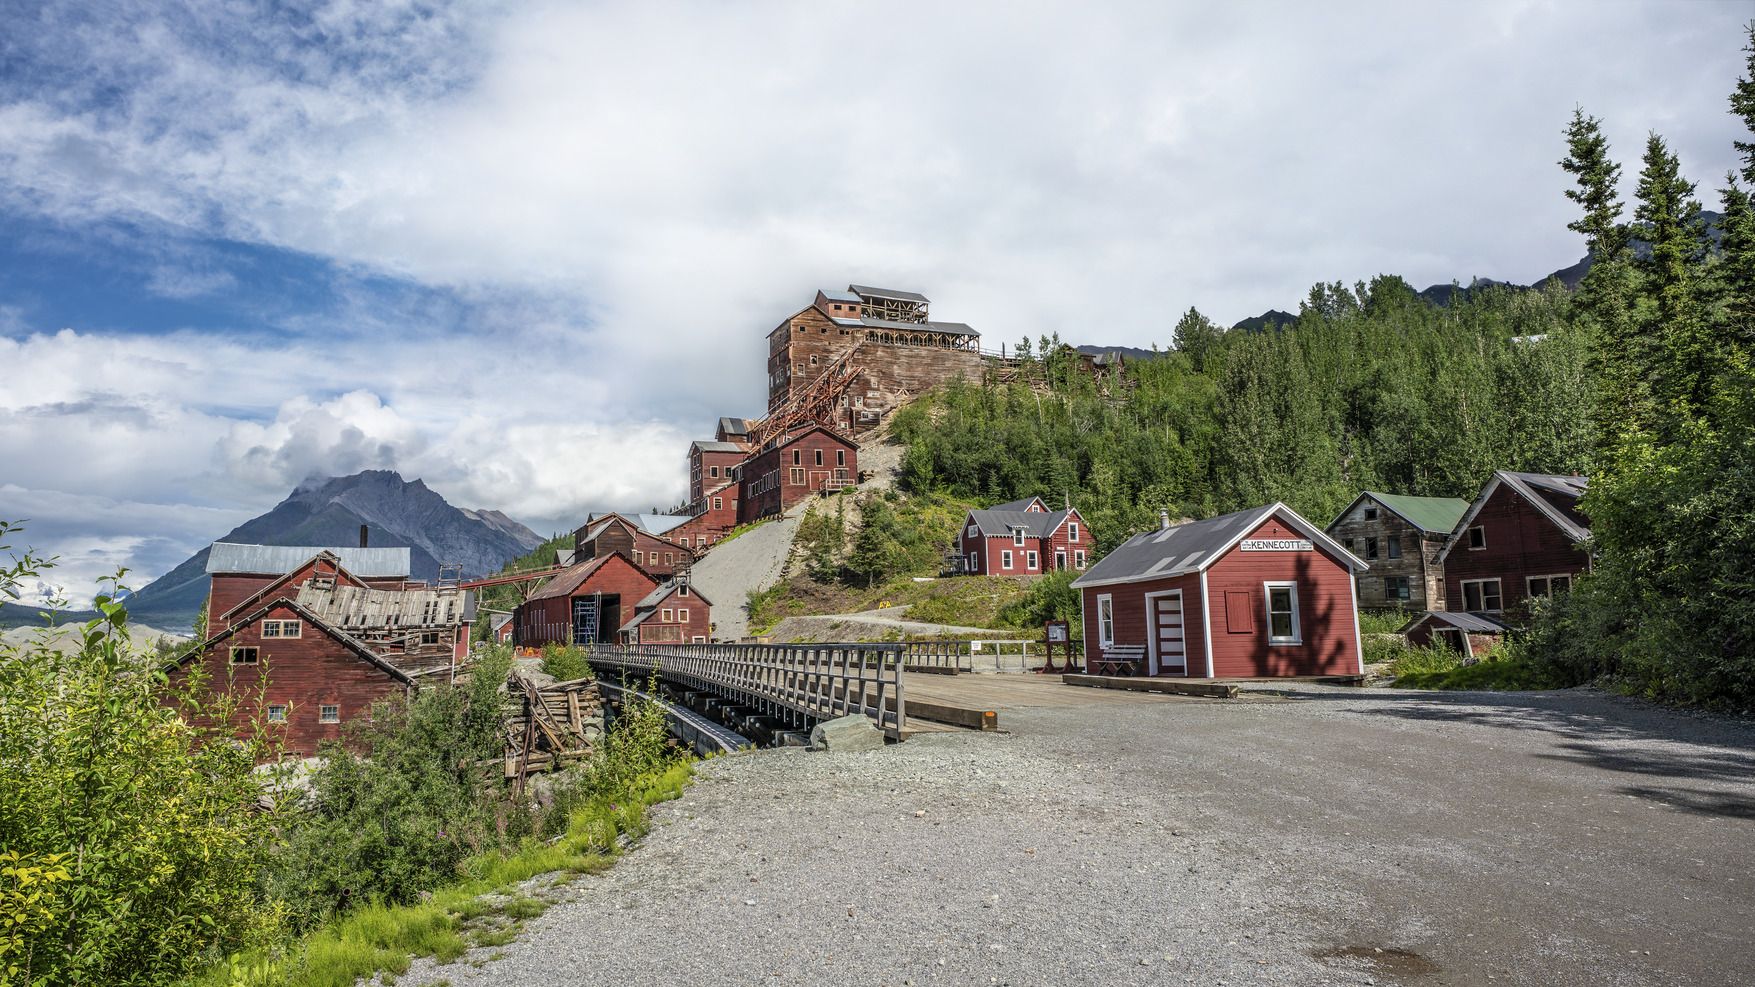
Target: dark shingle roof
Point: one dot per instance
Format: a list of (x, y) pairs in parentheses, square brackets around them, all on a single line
[(948, 328), (1555, 495), (1016, 505)]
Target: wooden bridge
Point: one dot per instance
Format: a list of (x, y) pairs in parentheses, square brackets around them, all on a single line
[(771, 689)]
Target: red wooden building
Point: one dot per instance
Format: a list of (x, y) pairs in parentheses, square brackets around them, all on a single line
[(307, 649), (643, 539), (711, 464), (1258, 593), (793, 467), (674, 613), (600, 599), (1522, 537), (709, 519), (1023, 538)]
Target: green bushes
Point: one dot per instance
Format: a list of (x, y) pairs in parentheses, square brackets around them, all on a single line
[(1049, 598), (130, 846), (566, 662)]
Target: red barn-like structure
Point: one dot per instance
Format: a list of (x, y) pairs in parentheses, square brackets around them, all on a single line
[(1522, 537), (1023, 538), (793, 467), (1258, 593), (610, 599)]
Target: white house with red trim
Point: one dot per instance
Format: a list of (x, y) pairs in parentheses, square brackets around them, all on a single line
[(1023, 538), (1255, 594)]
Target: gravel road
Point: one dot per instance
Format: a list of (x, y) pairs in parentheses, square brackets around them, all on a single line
[(1335, 837)]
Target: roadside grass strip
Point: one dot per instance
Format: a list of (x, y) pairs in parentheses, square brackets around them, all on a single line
[(484, 909)]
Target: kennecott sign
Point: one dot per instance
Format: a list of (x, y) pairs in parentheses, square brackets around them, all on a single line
[(1276, 545)]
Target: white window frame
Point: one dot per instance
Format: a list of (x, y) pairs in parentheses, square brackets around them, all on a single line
[(713, 471), (974, 561), (1469, 537), (682, 615), (1005, 559), (1267, 594), (277, 713), (719, 503), (283, 628), (255, 655), (1106, 621), (1032, 561), (1072, 531), (1060, 559), (329, 713), (1018, 537), (972, 531), (664, 615), (1079, 559), (683, 590), (1498, 591)]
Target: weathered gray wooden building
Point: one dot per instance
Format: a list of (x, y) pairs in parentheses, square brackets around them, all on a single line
[(1401, 538)]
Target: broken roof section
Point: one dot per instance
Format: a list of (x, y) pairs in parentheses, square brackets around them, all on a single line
[(278, 560)]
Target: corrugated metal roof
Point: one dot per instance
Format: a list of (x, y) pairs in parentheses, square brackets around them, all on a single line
[(658, 524), (1195, 545), (564, 583), (709, 445), (366, 563), (837, 295), (947, 328), (1036, 524), (866, 291), (734, 426), (1438, 515), (1016, 505), (1473, 623)]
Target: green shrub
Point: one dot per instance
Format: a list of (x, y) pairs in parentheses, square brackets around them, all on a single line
[(136, 826), (1496, 673), (1049, 598), (566, 662), (1381, 621)]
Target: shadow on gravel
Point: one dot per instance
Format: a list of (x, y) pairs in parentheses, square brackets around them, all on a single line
[(1602, 732)]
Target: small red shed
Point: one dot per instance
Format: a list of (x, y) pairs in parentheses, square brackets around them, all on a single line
[(1254, 594), (590, 602)]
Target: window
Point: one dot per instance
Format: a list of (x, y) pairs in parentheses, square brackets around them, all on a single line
[(719, 503), (277, 713), (1072, 531), (972, 563), (1018, 537), (1395, 588), (1393, 546), (819, 458), (1079, 559), (1060, 559), (244, 656), (664, 615), (669, 558), (840, 457), (798, 476), (1030, 560), (1282, 613), (1481, 595), (813, 359), (972, 531), (1005, 560), (698, 639), (1477, 538), (683, 590), (1105, 621), (797, 456), (282, 628), (682, 615), (429, 637), (1549, 586), (1347, 543), (713, 471), (639, 557), (1370, 513), (329, 714), (1370, 548)]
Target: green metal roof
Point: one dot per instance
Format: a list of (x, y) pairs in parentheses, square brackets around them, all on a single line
[(1426, 513)]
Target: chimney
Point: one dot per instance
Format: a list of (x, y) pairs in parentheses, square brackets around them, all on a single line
[(363, 536), (1164, 518)]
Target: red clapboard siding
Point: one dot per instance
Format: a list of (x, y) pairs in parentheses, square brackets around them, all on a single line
[(1521, 542), (1326, 611)]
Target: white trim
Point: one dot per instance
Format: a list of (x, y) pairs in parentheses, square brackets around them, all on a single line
[(1155, 665), (1206, 621), (1104, 643), (1032, 560), (1463, 589), (1267, 602), (1470, 532), (1289, 516), (1518, 487), (1005, 558), (1529, 591), (1358, 641)]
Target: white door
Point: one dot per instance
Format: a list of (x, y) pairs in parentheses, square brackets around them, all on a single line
[(1168, 644)]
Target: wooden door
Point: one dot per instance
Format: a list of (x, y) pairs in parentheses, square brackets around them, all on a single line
[(1169, 644)]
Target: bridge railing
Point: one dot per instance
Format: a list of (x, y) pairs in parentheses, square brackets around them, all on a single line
[(796, 684), (973, 656)]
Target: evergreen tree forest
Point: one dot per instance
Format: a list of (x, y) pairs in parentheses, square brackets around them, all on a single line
[(1643, 379)]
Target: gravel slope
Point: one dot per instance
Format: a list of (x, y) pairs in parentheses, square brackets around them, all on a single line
[(753, 560), (1565, 838)]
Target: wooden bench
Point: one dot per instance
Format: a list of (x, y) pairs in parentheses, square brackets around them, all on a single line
[(1120, 659)]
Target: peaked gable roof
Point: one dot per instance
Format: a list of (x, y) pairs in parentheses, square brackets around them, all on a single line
[(366, 563), (568, 581), (1434, 515), (1472, 623), (1001, 523), (1192, 547), (310, 617), (1534, 488), (1020, 505)]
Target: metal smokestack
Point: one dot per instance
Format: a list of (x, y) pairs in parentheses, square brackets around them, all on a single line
[(363, 538)]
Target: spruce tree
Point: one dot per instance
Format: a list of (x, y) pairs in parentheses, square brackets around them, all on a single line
[(1195, 337), (1682, 364), (1587, 160), (1736, 269), (1605, 295)]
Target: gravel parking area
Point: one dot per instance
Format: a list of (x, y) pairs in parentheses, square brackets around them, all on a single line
[(1336, 837)]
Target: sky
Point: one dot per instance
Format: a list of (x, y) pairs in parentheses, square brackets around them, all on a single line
[(527, 252)]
